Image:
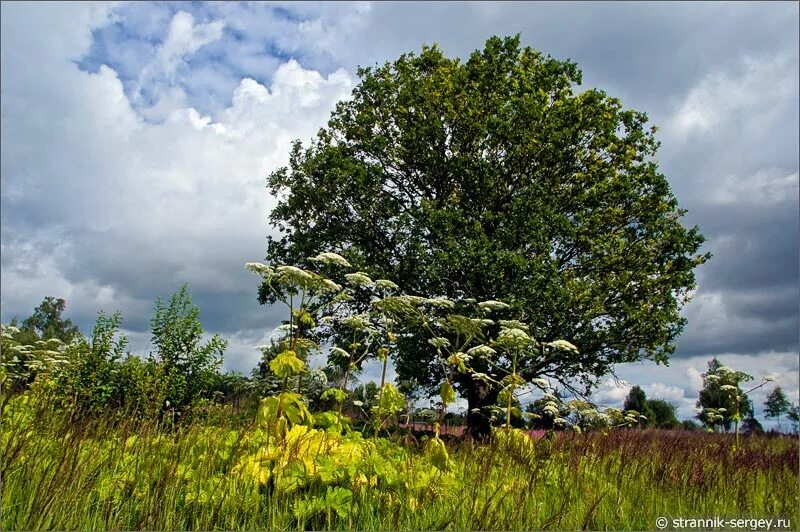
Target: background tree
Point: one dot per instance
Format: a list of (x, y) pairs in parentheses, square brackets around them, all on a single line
[(794, 416), (690, 424), (750, 425), (265, 381), (658, 413), (495, 179), (89, 382), (187, 367), (661, 414), (46, 322), (635, 400), (776, 404), (717, 404)]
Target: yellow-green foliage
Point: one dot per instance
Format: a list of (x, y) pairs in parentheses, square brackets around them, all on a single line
[(291, 474), (391, 401), (287, 364)]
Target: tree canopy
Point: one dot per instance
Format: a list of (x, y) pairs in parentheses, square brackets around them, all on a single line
[(496, 179), (776, 404), (635, 400), (46, 322)]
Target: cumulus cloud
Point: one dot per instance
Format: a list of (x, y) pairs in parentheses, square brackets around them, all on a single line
[(157, 93), (757, 93), (110, 211)]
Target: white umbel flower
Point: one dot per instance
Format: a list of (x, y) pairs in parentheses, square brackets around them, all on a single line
[(332, 259), (359, 279), (259, 268), (481, 351), (493, 305), (439, 342), (386, 284), (440, 302), (562, 345), (541, 383)]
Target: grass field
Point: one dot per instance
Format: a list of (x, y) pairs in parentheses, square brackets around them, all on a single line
[(119, 474)]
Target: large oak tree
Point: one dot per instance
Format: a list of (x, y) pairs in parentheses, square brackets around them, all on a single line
[(495, 178)]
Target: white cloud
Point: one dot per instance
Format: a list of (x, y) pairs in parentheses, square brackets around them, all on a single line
[(694, 380), (612, 392), (760, 91), (139, 204), (766, 187), (157, 79), (185, 37)]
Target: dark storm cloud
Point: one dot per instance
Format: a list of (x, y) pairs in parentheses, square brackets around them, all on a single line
[(650, 52)]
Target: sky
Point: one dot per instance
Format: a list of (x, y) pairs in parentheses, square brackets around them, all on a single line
[(137, 137)]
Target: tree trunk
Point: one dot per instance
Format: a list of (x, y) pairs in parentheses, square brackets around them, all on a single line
[(480, 396)]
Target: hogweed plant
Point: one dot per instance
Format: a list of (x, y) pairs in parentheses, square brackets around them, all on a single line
[(730, 381), (320, 307), (464, 334)]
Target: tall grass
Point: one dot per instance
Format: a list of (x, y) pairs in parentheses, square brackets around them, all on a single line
[(122, 474)]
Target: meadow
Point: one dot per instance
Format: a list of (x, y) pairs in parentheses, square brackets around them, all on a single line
[(229, 472)]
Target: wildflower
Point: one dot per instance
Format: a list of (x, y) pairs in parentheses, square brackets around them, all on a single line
[(550, 408), (563, 345), (493, 305), (513, 324), (294, 275), (330, 286), (728, 387), (541, 383), (483, 377), (513, 338), (284, 327), (386, 284), (459, 360), (331, 259), (259, 268), (438, 342), (481, 351), (770, 378), (440, 302), (339, 352), (413, 300), (359, 279), (359, 321)]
